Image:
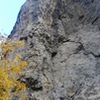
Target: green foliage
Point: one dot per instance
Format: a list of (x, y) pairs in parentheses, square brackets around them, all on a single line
[(47, 85), (10, 70)]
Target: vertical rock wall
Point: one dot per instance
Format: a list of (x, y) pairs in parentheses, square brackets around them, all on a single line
[(62, 46)]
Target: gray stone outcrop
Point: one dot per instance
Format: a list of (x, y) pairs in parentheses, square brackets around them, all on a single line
[(62, 47)]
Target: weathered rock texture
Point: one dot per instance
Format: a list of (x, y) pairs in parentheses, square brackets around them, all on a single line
[(62, 46)]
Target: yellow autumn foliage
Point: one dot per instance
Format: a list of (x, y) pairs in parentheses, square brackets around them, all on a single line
[(10, 70)]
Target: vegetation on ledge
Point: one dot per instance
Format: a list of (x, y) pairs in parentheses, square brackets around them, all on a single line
[(10, 70)]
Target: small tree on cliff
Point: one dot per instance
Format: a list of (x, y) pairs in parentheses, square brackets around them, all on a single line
[(10, 70)]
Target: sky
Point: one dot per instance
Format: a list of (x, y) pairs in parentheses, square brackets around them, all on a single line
[(8, 14)]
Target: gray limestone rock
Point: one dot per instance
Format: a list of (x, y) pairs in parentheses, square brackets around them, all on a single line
[(62, 47)]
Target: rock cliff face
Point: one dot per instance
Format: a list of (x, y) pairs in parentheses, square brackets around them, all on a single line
[(62, 46)]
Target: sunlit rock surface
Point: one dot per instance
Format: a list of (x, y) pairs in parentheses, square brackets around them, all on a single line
[(62, 47)]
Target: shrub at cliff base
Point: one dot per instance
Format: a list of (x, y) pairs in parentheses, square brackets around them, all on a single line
[(10, 70)]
